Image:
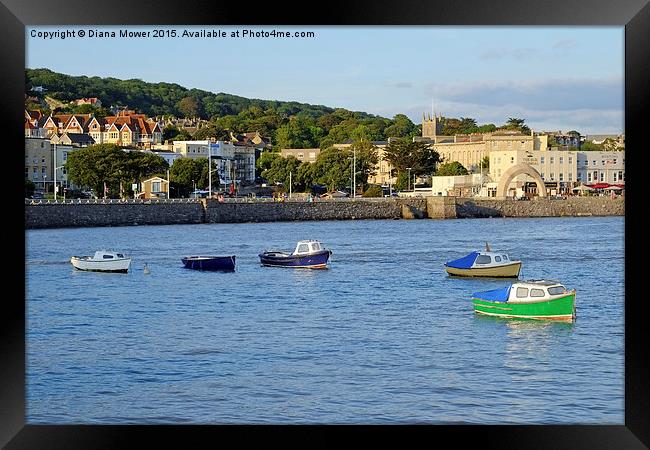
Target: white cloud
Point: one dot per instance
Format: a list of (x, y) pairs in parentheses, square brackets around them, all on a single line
[(540, 95)]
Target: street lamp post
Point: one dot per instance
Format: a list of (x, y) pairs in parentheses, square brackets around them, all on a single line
[(55, 187), (169, 186), (194, 186), (354, 170), (209, 169), (409, 179), (290, 183), (54, 172)]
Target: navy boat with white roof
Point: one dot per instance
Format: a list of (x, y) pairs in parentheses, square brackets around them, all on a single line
[(309, 254)]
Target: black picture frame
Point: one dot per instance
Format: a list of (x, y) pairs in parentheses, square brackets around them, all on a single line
[(634, 15)]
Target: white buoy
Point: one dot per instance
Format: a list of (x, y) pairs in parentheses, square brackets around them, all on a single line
[(146, 270)]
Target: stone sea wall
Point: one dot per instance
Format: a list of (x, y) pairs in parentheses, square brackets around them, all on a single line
[(357, 209), (44, 214), (540, 207), (99, 214)]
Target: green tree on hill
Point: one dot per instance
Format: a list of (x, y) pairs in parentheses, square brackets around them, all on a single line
[(332, 168), (189, 107), (416, 158), (451, 169), (280, 170), (106, 164)]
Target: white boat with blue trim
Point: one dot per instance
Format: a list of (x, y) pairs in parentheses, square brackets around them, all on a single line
[(484, 264)]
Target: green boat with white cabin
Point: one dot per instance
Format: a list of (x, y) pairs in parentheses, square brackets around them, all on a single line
[(532, 299)]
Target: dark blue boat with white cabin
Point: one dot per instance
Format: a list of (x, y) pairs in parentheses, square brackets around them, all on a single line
[(216, 263), (309, 254)]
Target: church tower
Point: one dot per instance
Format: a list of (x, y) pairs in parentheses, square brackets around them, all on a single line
[(431, 126)]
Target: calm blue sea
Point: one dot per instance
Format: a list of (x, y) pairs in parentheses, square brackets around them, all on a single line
[(382, 337)]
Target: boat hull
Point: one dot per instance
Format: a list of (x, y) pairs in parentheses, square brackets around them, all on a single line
[(112, 266), (212, 263), (316, 260), (503, 271), (560, 308)]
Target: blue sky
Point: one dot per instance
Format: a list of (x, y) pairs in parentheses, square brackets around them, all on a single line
[(556, 78)]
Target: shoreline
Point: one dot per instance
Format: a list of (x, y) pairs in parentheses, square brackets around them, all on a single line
[(98, 213)]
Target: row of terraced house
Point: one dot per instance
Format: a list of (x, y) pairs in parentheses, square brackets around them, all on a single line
[(49, 140)]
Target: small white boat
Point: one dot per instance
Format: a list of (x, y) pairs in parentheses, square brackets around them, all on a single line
[(102, 261)]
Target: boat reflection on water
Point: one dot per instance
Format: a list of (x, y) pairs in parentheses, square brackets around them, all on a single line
[(518, 325)]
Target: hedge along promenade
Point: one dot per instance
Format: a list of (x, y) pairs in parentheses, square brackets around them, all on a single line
[(97, 213)]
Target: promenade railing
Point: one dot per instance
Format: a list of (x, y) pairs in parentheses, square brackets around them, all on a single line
[(85, 201)]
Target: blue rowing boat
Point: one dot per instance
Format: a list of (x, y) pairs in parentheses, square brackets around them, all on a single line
[(223, 263)]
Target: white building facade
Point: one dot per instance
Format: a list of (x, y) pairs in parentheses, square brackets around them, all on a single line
[(601, 167), (235, 163)]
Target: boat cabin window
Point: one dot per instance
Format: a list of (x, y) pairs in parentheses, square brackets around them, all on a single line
[(119, 255), (303, 248), (483, 259), (497, 258), (537, 293), (107, 256), (315, 247), (522, 292), (505, 257), (556, 290)]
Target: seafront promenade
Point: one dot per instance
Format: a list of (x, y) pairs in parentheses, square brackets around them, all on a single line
[(97, 213)]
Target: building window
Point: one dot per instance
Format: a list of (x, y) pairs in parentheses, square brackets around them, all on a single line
[(602, 176), (542, 175), (620, 175), (155, 186), (552, 159), (561, 160), (570, 176), (512, 160), (561, 176), (570, 160), (552, 176), (615, 176), (589, 177), (541, 160)]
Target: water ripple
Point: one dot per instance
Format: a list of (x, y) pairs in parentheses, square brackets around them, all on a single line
[(382, 337)]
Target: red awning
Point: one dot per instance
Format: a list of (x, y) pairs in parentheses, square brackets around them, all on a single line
[(599, 185)]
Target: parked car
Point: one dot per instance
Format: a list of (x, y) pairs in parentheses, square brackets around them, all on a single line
[(75, 193)]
